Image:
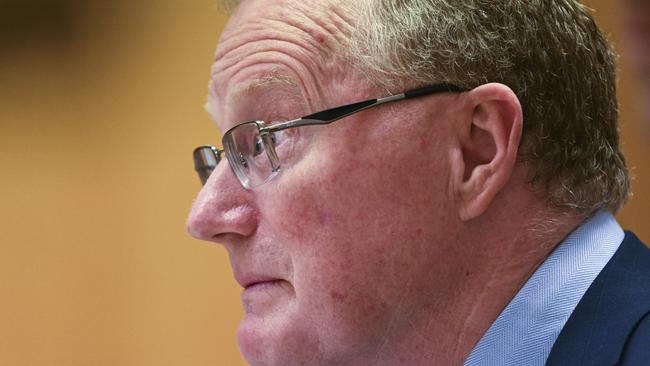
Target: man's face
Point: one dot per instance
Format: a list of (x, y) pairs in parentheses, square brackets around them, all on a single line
[(351, 245)]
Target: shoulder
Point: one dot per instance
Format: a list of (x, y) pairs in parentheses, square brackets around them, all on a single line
[(611, 318), (637, 347)]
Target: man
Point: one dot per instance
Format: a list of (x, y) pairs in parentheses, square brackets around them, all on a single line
[(468, 220)]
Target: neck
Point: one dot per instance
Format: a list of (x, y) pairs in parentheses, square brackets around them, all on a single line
[(501, 265), (494, 270)]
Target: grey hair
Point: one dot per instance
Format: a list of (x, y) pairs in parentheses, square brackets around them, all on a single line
[(549, 52)]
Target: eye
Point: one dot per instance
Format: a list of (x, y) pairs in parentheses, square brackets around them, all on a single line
[(281, 136), (258, 146)]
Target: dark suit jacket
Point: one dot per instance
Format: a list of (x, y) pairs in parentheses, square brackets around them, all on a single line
[(611, 324)]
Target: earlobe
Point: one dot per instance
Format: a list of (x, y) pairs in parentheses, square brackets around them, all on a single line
[(489, 137)]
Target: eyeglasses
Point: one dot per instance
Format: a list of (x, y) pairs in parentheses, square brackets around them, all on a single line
[(250, 147)]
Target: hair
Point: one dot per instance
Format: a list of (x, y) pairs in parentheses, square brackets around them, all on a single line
[(550, 53)]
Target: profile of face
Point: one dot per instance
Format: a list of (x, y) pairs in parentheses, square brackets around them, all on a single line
[(352, 244)]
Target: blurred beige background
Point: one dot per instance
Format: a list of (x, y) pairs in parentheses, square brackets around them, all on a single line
[(100, 107)]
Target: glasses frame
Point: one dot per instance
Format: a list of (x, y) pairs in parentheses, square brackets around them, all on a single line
[(207, 157)]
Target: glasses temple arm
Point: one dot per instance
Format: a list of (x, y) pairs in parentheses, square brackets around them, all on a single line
[(334, 114), (432, 89)]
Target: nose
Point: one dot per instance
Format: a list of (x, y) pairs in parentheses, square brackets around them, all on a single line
[(222, 208)]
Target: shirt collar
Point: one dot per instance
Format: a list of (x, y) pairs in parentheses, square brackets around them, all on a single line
[(524, 333)]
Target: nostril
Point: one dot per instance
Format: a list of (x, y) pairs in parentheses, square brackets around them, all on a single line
[(222, 207), (207, 222)]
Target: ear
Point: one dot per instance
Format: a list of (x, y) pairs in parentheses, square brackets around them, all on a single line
[(489, 132)]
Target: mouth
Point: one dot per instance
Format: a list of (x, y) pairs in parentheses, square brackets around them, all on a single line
[(266, 287), (252, 280), (261, 285), (263, 295)]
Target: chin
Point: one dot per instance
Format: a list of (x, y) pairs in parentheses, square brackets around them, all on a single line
[(252, 345), (267, 342)]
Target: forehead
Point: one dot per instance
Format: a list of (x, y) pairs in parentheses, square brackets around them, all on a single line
[(276, 43)]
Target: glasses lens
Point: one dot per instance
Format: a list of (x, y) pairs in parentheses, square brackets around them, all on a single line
[(247, 155), (206, 159)]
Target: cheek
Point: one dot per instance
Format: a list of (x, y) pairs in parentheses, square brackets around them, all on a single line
[(330, 268), (352, 237)]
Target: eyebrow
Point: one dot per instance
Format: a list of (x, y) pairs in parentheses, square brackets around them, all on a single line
[(264, 81)]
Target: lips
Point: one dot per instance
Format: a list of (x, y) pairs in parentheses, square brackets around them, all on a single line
[(263, 286), (248, 280), (262, 283), (262, 294)]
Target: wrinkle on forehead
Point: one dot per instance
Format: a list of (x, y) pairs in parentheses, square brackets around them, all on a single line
[(302, 37), (328, 24), (270, 80)]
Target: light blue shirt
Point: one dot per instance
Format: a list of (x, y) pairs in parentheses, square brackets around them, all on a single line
[(526, 330)]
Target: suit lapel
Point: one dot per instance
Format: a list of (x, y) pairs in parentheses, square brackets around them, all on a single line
[(619, 297)]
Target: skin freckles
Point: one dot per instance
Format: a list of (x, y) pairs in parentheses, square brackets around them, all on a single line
[(342, 257), (355, 254)]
